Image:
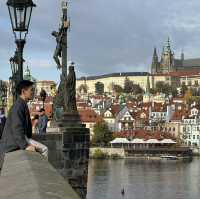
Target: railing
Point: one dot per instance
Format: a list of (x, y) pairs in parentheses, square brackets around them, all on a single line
[(29, 175)]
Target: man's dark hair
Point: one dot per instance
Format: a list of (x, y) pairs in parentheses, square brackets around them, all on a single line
[(24, 84)]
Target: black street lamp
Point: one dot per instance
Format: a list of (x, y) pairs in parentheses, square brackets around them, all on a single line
[(15, 74), (20, 14)]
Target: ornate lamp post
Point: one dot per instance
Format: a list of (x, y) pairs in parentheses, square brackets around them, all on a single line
[(15, 75), (20, 14)]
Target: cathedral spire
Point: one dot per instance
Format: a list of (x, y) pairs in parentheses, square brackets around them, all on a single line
[(182, 55), (148, 85), (155, 52), (167, 47), (154, 65)]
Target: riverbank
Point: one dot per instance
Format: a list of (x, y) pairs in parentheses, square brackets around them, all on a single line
[(179, 153)]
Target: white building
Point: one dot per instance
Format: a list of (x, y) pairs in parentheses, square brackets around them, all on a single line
[(190, 131)]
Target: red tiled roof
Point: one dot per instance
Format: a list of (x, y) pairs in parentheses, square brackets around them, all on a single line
[(178, 115), (46, 82), (115, 108), (89, 115), (181, 73)]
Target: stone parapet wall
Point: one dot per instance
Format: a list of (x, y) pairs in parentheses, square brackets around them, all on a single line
[(54, 142), (28, 175)]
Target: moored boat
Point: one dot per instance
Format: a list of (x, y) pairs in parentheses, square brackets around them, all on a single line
[(169, 157)]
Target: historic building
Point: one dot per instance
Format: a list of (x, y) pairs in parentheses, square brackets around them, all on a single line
[(108, 80), (168, 63)]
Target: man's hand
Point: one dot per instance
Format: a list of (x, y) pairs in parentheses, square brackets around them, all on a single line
[(30, 148)]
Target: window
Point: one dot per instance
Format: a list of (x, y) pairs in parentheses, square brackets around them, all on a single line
[(193, 136), (174, 129), (197, 136), (196, 83)]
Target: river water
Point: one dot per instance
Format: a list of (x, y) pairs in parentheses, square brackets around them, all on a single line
[(143, 179)]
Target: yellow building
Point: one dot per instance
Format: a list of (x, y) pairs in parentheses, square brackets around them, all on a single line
[(140, 78), (114, 78), (46, 85)]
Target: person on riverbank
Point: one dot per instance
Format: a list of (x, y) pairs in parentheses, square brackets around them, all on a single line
[(17, 132)]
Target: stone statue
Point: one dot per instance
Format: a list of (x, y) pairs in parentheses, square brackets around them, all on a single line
[(61, 41), (58, 50), (60, 57), (70, 94)]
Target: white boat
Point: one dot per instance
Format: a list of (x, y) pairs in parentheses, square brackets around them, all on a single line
[(169, 157)]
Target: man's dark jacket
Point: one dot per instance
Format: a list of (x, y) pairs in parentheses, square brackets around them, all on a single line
[(18, 126)]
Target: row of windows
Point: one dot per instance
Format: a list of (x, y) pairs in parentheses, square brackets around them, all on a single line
[(188, 128), (158, 114), (170, 129), (189, 83), (193, 137)]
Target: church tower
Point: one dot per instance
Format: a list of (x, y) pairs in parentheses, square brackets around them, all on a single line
[(155, 63), (182, 55), (167, 59)]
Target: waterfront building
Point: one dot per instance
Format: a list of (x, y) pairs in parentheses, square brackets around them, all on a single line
[(190, 128)]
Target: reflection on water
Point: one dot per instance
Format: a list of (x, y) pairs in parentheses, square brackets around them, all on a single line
[(144, 179)]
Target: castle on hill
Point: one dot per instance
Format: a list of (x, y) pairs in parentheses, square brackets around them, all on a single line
[(168, 63)]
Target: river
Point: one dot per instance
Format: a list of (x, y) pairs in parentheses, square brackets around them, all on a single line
[(143, 179)]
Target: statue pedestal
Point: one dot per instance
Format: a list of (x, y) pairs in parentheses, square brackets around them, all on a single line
[(76, 138)]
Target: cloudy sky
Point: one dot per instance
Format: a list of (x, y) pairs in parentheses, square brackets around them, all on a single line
[(106, 35)]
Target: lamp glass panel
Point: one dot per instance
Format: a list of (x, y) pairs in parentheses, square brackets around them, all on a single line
[(20, 19), (28, 16), (12, 16)]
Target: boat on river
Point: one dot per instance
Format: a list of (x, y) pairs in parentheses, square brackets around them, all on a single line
[(169, 157)]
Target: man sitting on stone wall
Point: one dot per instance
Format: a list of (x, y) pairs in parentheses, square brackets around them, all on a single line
[(18, 128)]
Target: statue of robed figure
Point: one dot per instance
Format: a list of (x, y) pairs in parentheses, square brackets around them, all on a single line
[(70, 94)]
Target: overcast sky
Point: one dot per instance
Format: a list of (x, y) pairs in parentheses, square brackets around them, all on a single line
[(106, 35)]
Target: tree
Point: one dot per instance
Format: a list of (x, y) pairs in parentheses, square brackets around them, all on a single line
[(102, 134), (162, 87), (184, 88), (117, 88), (165, 88), (99, 88), (136, 89), (83, 88), (128, 85)]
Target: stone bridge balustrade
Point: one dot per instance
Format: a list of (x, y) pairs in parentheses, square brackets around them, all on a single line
[(28, 175)]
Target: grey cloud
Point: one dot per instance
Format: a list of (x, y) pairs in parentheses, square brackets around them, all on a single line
[(106, 35)]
